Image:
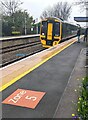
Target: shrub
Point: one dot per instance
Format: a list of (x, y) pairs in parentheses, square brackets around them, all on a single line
[(83, 100)]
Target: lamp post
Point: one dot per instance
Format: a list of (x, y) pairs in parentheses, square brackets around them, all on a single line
[(25, 27), (25, 22)]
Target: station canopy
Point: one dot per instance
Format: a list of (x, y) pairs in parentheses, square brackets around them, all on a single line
[(81, 19)]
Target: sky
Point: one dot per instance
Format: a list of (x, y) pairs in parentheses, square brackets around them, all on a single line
[(36, 7)]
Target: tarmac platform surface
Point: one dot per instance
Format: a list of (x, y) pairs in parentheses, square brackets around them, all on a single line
[(51, 77)]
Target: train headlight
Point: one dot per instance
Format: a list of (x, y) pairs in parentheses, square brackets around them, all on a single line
[(43, 34)]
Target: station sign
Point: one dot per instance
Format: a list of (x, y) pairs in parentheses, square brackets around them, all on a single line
[(24, 98), (81, 19)]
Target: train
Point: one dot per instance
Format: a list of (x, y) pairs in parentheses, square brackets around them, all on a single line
[(54, 30)]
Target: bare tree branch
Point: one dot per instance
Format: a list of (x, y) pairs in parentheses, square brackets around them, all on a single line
[(60, 10), (11, 6), (83, 4)]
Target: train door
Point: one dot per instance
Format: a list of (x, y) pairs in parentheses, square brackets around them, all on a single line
[(49, 31)]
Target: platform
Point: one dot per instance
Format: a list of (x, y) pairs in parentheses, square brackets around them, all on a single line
[(49, 74), (14, 72)]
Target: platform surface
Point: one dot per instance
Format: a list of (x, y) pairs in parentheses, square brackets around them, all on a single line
[(51, 77)]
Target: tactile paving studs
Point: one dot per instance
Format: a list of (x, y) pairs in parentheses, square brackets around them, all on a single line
[(24, 98)]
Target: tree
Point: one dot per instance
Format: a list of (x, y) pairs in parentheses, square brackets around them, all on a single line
[(48, 12), (10, 6), (18, 26), (83, 4), (22, 21), (14, 20), (60, 10)]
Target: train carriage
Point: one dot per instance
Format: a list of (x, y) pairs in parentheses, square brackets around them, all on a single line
[(54, 30)]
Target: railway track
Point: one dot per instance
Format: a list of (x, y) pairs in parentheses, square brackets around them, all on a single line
[(17, 48), (14, 50)]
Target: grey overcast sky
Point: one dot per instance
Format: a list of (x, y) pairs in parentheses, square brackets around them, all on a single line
[(36, 7)]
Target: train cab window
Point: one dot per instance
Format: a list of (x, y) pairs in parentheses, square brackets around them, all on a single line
[(57, 29), (44, 28)]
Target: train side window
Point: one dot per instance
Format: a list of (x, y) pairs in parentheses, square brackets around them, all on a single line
[(44, 28), (57, 29)]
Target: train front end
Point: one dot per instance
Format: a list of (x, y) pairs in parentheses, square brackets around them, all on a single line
[(50, 32)]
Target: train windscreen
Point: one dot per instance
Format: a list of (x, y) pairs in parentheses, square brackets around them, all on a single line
[(44, 28), (56, 29)]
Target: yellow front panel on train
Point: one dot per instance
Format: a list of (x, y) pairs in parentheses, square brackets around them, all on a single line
[(49, 32)]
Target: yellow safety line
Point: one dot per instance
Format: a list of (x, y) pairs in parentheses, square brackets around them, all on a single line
[(20, 76)]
